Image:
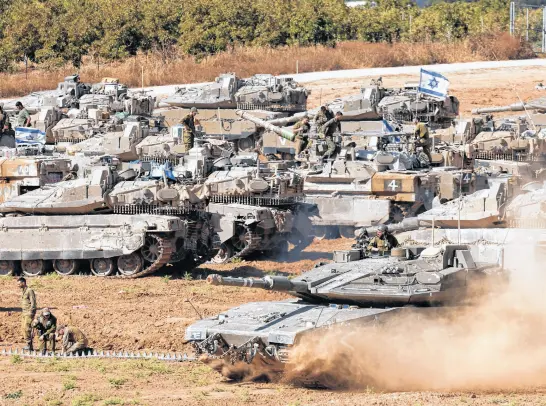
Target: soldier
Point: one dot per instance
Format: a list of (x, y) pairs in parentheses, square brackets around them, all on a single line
[(73, 339), (422, 137), (328, 129), (189, 128), (301, 129), (23, 117), (28, 311), (322, 117), (383, 241), (46, 324)]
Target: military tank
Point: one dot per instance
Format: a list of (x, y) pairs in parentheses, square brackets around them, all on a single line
[(349, 292), (98, 202), (259, 92), (402, 105)]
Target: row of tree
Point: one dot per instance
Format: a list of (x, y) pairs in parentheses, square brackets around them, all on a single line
[(55, 32)]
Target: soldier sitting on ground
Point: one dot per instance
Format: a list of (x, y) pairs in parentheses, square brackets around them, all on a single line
[(73, 340), (45, 325), (383, 241)]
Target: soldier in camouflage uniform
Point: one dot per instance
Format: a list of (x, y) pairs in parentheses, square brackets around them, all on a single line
[(46, 324), (73, 340), (422, 137), (28, 311), (301, 129), (322, 117), (189, 129), (383, 241), (328, 129)]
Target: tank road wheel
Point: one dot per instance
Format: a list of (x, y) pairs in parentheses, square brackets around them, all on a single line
[(397, 214), (65, 266), (246, 144), (130, 264), (347, 231), (319, 232), (102, 266), (151, 249), (7, 268), (241, 239), (224, 254), (33, 267)]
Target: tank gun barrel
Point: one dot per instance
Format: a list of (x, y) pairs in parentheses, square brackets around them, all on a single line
[(278, 283), (290, 120), (408, 224), (511, 107), (288, 135)]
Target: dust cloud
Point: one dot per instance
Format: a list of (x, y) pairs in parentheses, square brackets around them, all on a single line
[(497, 344)]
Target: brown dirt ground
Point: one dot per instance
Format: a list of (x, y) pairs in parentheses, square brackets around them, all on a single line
[(152, 314)]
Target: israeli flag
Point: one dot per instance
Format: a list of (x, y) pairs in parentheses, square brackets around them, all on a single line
[(433, 84), (26, 135)]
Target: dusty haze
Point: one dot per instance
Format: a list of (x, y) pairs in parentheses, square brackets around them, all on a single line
[(499, 343)]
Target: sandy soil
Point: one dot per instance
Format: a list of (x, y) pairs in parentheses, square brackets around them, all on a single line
[(152, 313)]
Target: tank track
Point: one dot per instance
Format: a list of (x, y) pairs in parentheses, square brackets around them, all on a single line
[(253, 245), (166, 251)]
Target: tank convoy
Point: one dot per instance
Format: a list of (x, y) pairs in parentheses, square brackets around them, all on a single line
[(259, 92), (349, 292)]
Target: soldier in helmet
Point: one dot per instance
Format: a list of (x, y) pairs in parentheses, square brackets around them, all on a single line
[(73, 340), (301, 129), (189, 128), (329, 128), (383, 241), (322, 117), (46, 324)]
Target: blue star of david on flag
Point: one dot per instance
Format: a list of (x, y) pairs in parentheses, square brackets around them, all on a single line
[(433, 84)]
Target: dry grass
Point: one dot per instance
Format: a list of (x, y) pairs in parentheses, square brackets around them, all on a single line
[(248, 61)]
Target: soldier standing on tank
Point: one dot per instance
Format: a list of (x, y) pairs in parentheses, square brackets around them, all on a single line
[(73, 340), (301, 129), (329, 128), (46, 324), (322, 117), (28, 311), (383, 241), (189, 122), (23, 117), (422, 138)]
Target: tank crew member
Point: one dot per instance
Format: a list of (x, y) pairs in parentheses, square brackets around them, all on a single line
[(301, 129), (329, 128), (189, 128), (23, 117), (8, 130), (422, 137), (73, 339), (28, 311), (46, 324), (322, 117), (383, 241)]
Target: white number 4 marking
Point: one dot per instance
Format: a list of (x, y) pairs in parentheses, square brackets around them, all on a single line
[(393, 185)]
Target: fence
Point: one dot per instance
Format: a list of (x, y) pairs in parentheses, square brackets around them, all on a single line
[(529, 22)]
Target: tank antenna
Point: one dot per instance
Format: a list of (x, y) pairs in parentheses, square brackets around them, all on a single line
[(196, 311), (433, 231)]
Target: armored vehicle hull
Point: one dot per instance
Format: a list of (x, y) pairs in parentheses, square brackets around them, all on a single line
[(132, 246), (345, 293)]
